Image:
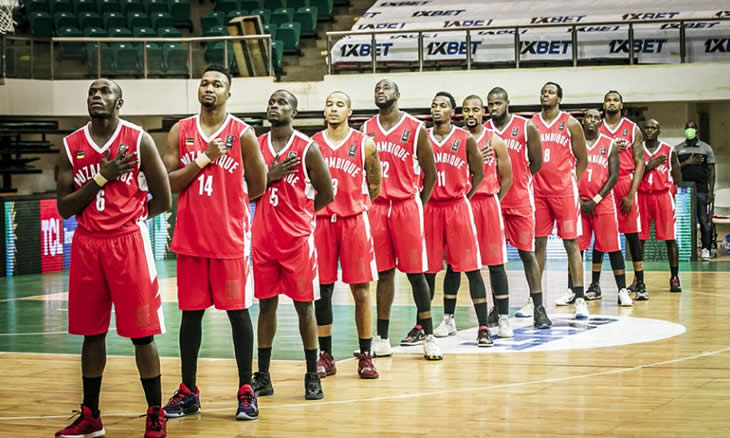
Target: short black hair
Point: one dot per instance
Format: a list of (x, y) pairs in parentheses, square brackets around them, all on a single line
[(560, 89), (447, 95), (498, 90), (292, 98), (347, 97), (220, 69), (474, 96), (620, 97)]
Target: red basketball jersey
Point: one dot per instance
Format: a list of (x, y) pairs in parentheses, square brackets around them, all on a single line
[(659, 178), (556, 177), (122, 202), (625, 130), (490, 183), (346, 162), (212, 212), (514, 136), (453, 178), (596, 174), (285, 213), (397, 150)]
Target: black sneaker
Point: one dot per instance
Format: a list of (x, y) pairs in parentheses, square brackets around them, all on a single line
[(312, 387), (183, 402), (641, 292), (262, 384), (633, 286), (674, 285), (541, 320), (483, 338), (493, 321), (414, 337), (593, 292)]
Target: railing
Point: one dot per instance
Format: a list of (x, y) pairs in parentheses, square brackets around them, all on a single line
[(516, 28), (145, 66)]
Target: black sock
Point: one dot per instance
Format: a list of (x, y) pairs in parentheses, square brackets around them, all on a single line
[(536, 298), (617, 264), (242, 331), (597, 260), (365, 345), (92, 388), (427, 325), (639, 275), (311, 357), (325, 344), (502, 305), (383, 325), (578, 291), (152, 391), (620, 281), (478, 293), (452, 283), (675, 270), (422, 297), (190, 335), (431, 282), (265, 359), (595, 277)]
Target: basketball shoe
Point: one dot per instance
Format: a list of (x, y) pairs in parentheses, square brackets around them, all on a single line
[(483, 338), (326, 365), (674, 285), (541, 320), (379, 348), (624, 300), (431, 350), (641, 293), (414, 337), (183, 403), (262, 384), (581, 309), (85, 426), (312, 387), (446, 328), (505, 329), (248, 404), (365, 367), (156, 423), (566, 300), (527, 310), (593, 292)]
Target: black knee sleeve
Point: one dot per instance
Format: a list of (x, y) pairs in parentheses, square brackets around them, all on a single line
[(617, 261), (452, 281), (476, 285), (634, 247), (597, 257), (498, 280), (431, 281), (421, 294), (323, 306), (143, 341)]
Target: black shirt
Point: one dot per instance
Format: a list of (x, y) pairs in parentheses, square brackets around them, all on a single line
[(698, 172)]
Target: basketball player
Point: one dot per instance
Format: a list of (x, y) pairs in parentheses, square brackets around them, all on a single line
[(396, 216), (449, 221), (343, 230), (656, 197), (599, 209), (284, 254), (631, 172), (556, 189), (214, 163), (106, 170), (518, 206), (488, 220)]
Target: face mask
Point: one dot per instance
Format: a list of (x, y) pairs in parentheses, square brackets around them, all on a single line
[(690, 133)]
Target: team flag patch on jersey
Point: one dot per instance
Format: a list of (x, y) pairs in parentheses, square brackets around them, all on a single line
[(80, 155), (189, 141)]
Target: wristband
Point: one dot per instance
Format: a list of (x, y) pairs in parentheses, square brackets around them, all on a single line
[(202, 160), (597, 198), (99, 179)]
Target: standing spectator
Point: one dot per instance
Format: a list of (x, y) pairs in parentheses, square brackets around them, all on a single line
[(697, 162)]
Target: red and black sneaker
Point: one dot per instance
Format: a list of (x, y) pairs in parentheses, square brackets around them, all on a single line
[(156, 424), (414, 337), (483, 338), (85, 426), (326, 365), (674, 285), (365, 367)]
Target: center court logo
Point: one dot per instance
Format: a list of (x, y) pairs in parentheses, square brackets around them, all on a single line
[(567, 333)]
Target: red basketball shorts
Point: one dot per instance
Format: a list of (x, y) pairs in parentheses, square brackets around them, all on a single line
[(398, 235), (563, 211), (658, 207), (490, 229), (450, 230), (519, 227), (631, 222), (349, 240), (605, 228), (292, 272), (203, 282), (114, 269)]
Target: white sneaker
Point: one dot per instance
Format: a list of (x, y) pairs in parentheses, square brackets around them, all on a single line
[(446, 328), (527, 310), (381, 347), (624, 300), (705, 255), (431, 350), (505, 330), (566, 300), (581, 309)]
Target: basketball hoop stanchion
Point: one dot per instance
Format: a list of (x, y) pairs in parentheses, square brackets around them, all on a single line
[(7, 24)]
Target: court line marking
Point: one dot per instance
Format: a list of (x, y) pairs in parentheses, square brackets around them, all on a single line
[(711, 294), (424, 394)]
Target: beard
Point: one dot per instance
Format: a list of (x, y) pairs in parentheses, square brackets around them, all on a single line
[(613, 111), (386, 104), (208, 104)]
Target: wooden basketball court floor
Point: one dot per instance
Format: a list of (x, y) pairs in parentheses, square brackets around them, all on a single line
[(661, 368)]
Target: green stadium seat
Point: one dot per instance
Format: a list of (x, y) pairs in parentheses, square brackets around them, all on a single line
[(271, 30), (307, 19), (233, 14), (169, 32), (154, 6), (162, 19), (277, 49), (120, 32), (90, 19), (65, 19), (324, 9), (114, 19), (107, 58), (214, 54), (265, 15), (154, 59), (71, 50), (216, 31), (82, 6), (289, 34), (125, 59), (211, 19), (226, 6), (296, 4), (138, 19), (109, 6), (144, 32), (180, 11), (175, 58), (95, 32), (62, 6), (132, 6), (274, 4), (282, 15), (41, 25), (34, 6), (250, 5)]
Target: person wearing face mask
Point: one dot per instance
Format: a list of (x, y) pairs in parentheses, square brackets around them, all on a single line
[(697, 161)]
